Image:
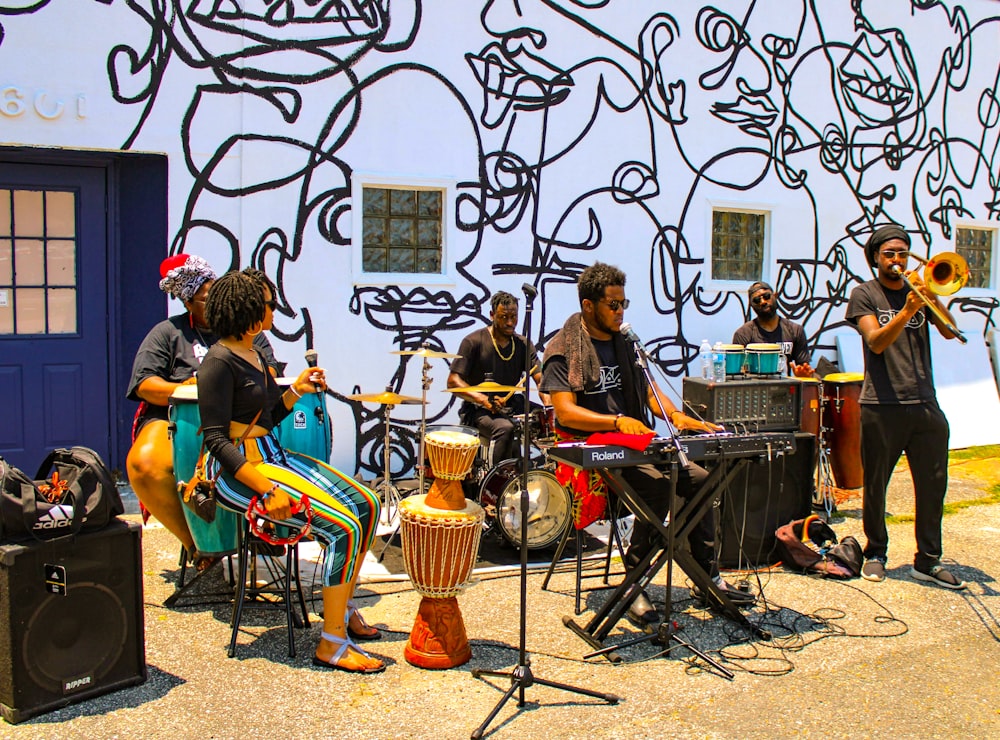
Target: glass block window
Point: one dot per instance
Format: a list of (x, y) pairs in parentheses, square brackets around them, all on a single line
[(738, 244), (976, 246), (38, 258), (402, 230)]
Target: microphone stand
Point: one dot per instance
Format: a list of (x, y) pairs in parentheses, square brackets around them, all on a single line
[(668, 629), (521, 677)]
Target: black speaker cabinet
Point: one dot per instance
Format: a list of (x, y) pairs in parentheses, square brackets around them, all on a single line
[(71, 621), (761, 499)]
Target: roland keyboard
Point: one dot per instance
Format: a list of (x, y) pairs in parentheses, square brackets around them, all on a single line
[(662, 451)]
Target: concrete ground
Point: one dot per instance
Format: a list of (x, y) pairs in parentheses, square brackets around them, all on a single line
[(847, 660)]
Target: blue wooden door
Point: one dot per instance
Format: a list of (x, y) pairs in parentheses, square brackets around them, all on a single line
[(54, 330)]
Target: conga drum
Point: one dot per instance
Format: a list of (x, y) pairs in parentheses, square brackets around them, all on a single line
[(763, 358), (220, 537), (809, 418), (306, 429), (440, 534), (841, 394)]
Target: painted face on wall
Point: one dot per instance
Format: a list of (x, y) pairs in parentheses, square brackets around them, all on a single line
[(547, 50), (715, 68)]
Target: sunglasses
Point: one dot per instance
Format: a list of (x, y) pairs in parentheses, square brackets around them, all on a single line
[(271, 304), (758, 299), (891, 254), (615, 304)]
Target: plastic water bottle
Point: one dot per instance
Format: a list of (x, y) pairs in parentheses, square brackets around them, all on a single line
[(718, 363), (705, 353)]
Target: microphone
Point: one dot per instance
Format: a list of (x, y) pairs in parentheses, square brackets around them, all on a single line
[(529, 290), (629, 333), (312, 360)]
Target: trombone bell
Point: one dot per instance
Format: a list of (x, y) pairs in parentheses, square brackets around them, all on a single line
[(946, 273)]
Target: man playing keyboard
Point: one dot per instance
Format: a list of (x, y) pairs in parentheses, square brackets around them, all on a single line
[(596, 385)]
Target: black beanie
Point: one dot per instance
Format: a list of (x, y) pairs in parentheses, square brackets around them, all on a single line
[(880, 236)]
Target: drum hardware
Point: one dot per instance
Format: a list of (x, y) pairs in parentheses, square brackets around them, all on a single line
[(522, 676), (426, 352), (944, 274), (386, 489), (387, 398), (487, 386)]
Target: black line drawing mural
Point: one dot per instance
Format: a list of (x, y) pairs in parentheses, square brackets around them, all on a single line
[(587, 130)]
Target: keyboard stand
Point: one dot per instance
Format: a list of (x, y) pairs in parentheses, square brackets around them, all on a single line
[(614, 608)]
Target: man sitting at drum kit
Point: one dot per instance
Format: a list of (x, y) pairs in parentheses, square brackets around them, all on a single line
[(497, 351), (899, 408), (239, 400), (168, 357), (769, 328), (597, 385)]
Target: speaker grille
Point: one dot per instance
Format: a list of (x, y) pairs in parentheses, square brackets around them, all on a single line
[(72, 638)]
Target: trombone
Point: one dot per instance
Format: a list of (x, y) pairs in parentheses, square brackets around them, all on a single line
[(944, 274)]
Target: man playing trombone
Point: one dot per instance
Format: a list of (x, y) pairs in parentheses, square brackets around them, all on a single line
[(899, 408)]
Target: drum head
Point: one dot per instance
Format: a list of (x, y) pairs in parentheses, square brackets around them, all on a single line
[(549, 504)]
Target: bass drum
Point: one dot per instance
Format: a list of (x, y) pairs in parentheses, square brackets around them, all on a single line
[(549, 505)]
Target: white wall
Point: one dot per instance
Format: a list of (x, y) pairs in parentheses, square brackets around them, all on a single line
[(623, 165)]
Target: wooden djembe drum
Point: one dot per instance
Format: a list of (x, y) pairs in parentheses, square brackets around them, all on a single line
[(440, 533)]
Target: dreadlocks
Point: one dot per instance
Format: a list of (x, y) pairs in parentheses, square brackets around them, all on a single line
[(235, 304), (261, 277)]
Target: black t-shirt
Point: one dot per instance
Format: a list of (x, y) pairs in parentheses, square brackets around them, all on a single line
[(607, 398), (791, 337), (173, 350), (479, 357), (231, 389), (902, 373)]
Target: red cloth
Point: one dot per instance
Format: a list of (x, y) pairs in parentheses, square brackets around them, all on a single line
[(590, 492), (632, 441)]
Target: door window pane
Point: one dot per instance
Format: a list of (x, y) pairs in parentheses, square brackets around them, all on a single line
[(28, 213), (61, 262), (29, 262), (5, 226), (38, 262), (62, 310), (60, 213), (29, 310)]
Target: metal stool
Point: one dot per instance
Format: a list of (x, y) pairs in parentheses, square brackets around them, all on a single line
[(275, 592), (613, 540)]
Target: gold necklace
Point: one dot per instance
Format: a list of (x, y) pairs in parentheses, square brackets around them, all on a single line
[(509, 357)]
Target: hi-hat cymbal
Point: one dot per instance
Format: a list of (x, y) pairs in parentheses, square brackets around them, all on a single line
[(487, 386), (387, 398), (424, 352)]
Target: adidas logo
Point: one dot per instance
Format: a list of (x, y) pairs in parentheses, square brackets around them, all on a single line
[(55, 518)]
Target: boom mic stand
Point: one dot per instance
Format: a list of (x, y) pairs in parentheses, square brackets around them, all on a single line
[(668, 629), (521, 677)]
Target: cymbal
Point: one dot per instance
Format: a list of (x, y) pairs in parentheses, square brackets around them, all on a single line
[(424, 352), (387, 398), (487, 387)]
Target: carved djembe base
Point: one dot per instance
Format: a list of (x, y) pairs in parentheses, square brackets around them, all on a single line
[(439, 550), (438, 639)]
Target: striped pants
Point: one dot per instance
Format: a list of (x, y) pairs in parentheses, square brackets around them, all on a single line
[(345, 513)]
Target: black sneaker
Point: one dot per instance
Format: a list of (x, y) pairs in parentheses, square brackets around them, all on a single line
[(874, 569), (642, 612), (938, 575)]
